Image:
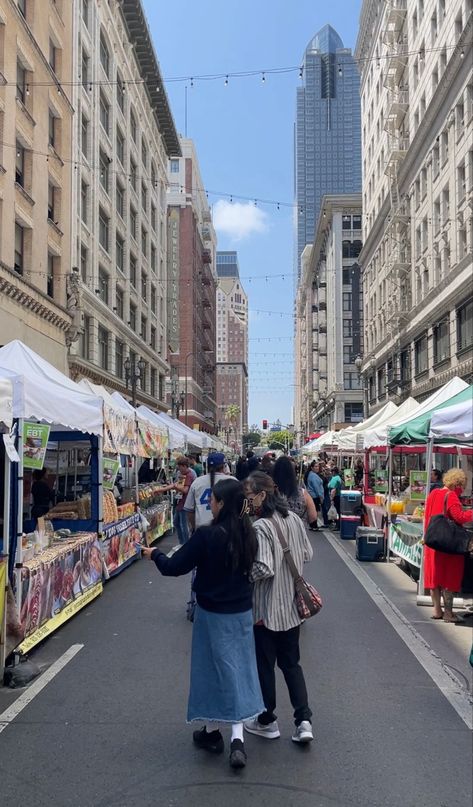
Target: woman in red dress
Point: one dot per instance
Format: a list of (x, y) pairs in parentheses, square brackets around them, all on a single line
[(443, 573)]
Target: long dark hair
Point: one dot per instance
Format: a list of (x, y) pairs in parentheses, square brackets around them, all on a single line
[(284, 475), (215, 469), (242, 543), (258, 482), (309, 469)]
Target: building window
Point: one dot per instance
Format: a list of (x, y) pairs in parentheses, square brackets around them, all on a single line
[(132, 322), (174, 166), (133, 174), (119, 301), (405, 366), (154, 178), (351, 381), (153, 382), (356, 222), (153, 217), (85, 338), (442, 341), (84, 136), (381, 383), (144, 286), (153, 337), (21, 85), (120, 92), (153, 258), (50, 278), (103, 230), (465, 326), (144, 240), (103, 336), (83, 262), (22, 7), (133, 271), (85, 12), (347, 301), (19, 248), (119, 358), (346, 222), (120, 200), (120, 253), (353, 412), (144, 197), (84, 69), (347, 354), (104, 113), (133, 220), (104, 54), (153, 299), (133, 126), (104, 165), (144, 328), (421, 355), (20, 165), (84, 194), (120, 146), (52, 129), (53, 60), (144, 152), (51, 202), (103, 285)]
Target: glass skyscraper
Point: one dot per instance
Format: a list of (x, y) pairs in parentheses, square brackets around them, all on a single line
[(327, 131)]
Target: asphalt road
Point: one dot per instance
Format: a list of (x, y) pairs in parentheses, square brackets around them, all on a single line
[(109, 729)]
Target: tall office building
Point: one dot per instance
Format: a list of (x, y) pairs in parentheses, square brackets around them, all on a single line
[(232, 349), (327, 131)]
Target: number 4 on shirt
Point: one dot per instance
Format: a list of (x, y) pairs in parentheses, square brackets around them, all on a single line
[(205, 498)]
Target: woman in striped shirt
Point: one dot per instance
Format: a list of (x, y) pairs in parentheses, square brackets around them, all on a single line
[(277, 622)]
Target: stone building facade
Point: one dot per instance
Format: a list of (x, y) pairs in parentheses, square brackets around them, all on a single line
[(192, 283), (329, 321), (232, 350), (123, 138), (417, 133), (36, 115)]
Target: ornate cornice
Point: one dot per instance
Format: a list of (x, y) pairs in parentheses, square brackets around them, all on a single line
[(32, 299)]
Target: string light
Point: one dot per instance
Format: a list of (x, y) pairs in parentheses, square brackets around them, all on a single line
[(263, 78), (339, 70), (226, 81)]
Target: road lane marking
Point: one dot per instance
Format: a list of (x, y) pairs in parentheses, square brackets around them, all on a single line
[(440, 674), (37, 686)]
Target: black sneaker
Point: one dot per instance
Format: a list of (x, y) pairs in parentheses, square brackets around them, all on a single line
[(237, 754), (210, 740)]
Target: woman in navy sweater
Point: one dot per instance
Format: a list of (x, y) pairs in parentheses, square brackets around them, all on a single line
[(224, 685)]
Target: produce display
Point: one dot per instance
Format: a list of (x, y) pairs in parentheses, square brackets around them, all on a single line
[(150, 494), (80, 509), (125, 510), (110, 510)]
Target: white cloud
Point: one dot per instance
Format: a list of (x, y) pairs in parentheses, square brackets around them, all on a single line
[(239, 220)]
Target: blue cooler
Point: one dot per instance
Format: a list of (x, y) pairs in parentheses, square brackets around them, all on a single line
[(369, 544), (349, 526), (350, 502)]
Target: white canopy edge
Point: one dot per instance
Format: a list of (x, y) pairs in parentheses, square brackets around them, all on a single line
[(6, 401), (453, 421)]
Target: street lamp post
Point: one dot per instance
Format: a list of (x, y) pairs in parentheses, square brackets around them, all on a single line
[(134, 372)]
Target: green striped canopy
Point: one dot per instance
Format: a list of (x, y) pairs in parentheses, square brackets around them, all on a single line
[(416, 431)]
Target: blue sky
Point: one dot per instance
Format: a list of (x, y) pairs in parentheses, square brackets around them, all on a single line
[(244, 138)]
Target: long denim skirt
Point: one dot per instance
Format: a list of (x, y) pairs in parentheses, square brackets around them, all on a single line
[(224, 684)]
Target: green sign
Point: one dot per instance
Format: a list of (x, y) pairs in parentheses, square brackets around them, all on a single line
[(381, 481), (110, 470), (35, 440), (348, 477), (405, 541), (418, 483)]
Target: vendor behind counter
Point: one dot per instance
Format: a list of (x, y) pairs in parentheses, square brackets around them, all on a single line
[(43, 495)]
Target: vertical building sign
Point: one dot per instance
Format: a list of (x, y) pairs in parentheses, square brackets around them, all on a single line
[(173, 280)]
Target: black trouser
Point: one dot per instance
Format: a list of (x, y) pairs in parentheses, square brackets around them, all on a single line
[(281, 647)]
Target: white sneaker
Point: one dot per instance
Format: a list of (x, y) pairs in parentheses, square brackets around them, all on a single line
[(271, 731), (303, 733)]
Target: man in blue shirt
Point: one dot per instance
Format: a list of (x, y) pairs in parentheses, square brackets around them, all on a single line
[(315, 489)]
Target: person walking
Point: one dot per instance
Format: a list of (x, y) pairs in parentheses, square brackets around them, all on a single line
[(443, 573), (277, 621), (315, 489), (182, 486), (197, 505), (298, 499), (335, 489), (224, 685)]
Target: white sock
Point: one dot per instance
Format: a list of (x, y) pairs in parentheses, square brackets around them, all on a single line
[(237, 731)]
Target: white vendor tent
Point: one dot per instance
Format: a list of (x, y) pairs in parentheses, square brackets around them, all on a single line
[(6, 400), (41, 391), (453, 421), (378, 437), (177, 436)]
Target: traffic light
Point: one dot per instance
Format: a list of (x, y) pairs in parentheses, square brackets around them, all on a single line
[(265, 424)]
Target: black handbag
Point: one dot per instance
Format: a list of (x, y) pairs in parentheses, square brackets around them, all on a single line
[(446, 535)]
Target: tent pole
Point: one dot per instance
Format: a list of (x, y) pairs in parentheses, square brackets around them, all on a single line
[(19, 520), (390, 487), (6, 552)]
